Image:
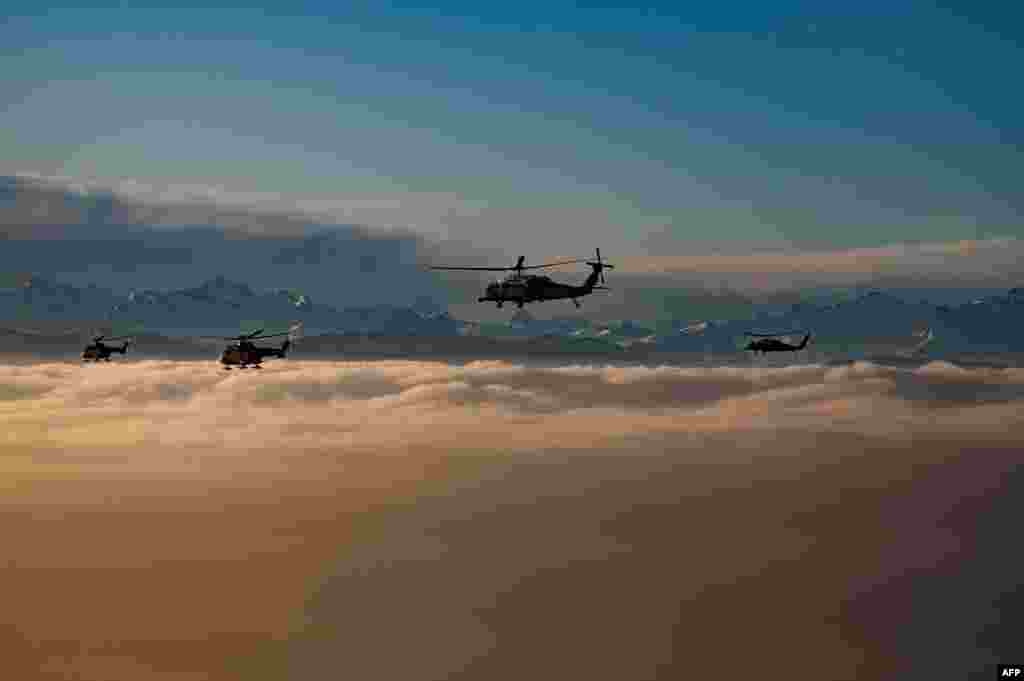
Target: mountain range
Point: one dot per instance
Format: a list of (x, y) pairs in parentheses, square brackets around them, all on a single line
[(876, 322), (216, 307)]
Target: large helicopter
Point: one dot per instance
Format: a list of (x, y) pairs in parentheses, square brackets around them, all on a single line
[(769, 342), (522, 288), (98, 350), (244, 353)]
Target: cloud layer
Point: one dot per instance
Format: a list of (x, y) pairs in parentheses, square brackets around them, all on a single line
[(140, 249), (379, 404), (497, 520), (124, 242)]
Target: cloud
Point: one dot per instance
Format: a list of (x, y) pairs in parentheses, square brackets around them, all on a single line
[(759, 270), (383, 405), (36, 201), (492, 520), (720, 282), (444, 228), (968, 256), (126, 241)]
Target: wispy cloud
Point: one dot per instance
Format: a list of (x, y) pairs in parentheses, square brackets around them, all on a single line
[(966, 254), (39, 201)]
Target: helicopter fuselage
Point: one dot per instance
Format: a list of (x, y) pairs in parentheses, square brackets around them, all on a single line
[(100, 351), (531, 288), (765, 345), (244, 355), (535, 288)]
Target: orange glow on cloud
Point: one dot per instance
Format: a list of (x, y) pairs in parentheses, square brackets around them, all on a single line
[(167, 519)]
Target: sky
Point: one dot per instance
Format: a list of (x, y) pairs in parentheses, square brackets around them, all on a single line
[(211, 524), (541, 128), (309, 521)]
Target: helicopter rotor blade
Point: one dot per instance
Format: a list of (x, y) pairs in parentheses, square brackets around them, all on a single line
[(553, 264), (251, 337), (269, 335), (254, 337), (512, 269), (476, 269), (773, 335), (23, 332)]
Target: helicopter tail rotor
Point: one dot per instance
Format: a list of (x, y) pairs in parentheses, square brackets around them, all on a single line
[(518, 267), (599, 266)]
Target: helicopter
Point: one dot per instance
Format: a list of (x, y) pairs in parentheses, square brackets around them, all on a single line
[(522, 288), (769, 342), (98, 350), (926, 336), (244, 353)]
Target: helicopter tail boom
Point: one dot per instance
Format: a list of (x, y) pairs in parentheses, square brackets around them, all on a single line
[(599, 266)]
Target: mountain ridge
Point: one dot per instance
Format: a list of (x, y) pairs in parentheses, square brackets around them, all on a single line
[(221, 304)]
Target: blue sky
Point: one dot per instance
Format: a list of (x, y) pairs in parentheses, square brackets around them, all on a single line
[(542, 127)]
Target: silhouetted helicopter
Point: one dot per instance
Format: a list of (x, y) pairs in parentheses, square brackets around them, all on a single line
[(244, 353), (98, 350), (926, 337), (769, 342), (532, 288)]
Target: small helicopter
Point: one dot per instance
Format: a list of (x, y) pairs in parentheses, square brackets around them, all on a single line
[(769, 342), (244, 353), (694, 329), (522, 288), (926, 336), (98, 350)]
